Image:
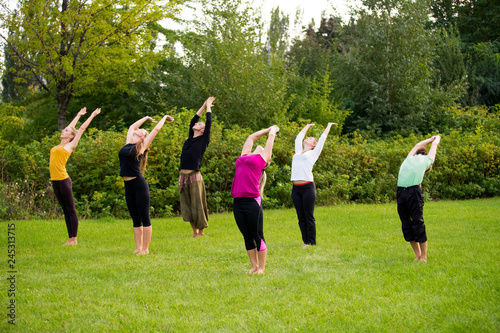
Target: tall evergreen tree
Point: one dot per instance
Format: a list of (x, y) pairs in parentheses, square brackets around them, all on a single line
[(387, 72), (478, 23), (278, 33)]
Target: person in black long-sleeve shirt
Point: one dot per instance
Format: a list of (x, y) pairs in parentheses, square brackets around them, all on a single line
[(191, 186)]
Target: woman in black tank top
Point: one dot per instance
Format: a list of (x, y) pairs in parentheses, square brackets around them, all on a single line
[(133, 158)]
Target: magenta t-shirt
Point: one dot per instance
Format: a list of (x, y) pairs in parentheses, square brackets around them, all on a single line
[(246, 179)]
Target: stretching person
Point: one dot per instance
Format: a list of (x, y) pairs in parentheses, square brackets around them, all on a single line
[(133, 158), (247, 207), (191, 186), (307, 152), (61, 182), (410, 198)]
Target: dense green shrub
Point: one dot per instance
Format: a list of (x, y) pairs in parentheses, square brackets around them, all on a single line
[(355, 168), (448, 119)]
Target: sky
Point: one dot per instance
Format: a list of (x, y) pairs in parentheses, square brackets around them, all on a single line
[(311, 8)]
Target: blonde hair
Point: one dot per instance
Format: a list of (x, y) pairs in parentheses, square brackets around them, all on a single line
[(138, 148), (144, 160), (262, 183), (72, 131)]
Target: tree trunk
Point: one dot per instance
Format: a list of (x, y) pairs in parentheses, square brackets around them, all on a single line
[(63, 96), (62, 110)]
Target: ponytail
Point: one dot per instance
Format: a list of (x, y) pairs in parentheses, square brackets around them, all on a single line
[(138, 149), (262, 182), (144, 160)]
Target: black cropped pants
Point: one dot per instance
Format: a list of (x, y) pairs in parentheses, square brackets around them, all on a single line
[(138, 199), (304, 200), (63, 189), (250, 220), (411, 213)]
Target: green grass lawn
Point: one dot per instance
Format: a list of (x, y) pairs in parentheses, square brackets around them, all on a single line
[(360, 277)]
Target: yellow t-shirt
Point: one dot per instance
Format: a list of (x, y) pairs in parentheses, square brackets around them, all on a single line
[(57, 166)]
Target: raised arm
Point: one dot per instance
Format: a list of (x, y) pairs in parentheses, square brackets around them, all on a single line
[(420, 145), (433, 150), (208, 122), (322, 139), (247, 147), (135, 126), (149, 138), (73, 143), (305, 129), (328, 127), (78, 115), (207, 105), (268, 149)]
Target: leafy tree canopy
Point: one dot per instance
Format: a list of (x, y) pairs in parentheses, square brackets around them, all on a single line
[(71, 47)]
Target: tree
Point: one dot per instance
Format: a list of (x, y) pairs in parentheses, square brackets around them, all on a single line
[(388, 72), (449, 64), (72, 47), (16, 80), (11, 124), (310, 63), (484, 66), (10, 88), (224, 58), (478, 22), (444, 12), (315, 53), (278, 35)]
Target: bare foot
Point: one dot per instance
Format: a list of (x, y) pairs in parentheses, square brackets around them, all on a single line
[(71, 242), (253, 270), (194, 235), (260, 271), (144, 252), (137, 251), (305, 245), (416, 259), (424, 260)]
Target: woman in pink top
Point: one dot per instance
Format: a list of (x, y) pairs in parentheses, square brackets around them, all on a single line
[(247, 207)]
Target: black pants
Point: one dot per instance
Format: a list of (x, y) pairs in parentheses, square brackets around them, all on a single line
[(63, 189), (250, 220), (137, 197), (304, 199), (411, 212)]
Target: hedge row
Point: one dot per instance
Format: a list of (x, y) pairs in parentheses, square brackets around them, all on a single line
[(354, 168)]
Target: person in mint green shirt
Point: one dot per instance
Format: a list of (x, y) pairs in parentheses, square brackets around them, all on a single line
[(409, 195)]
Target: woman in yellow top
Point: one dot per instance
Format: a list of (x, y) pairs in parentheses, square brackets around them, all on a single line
[(61, 182)]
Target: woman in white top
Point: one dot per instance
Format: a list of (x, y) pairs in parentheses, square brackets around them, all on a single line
[(307, 152)]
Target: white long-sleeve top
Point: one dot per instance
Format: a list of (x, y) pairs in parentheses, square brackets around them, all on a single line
[(303, 162)]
